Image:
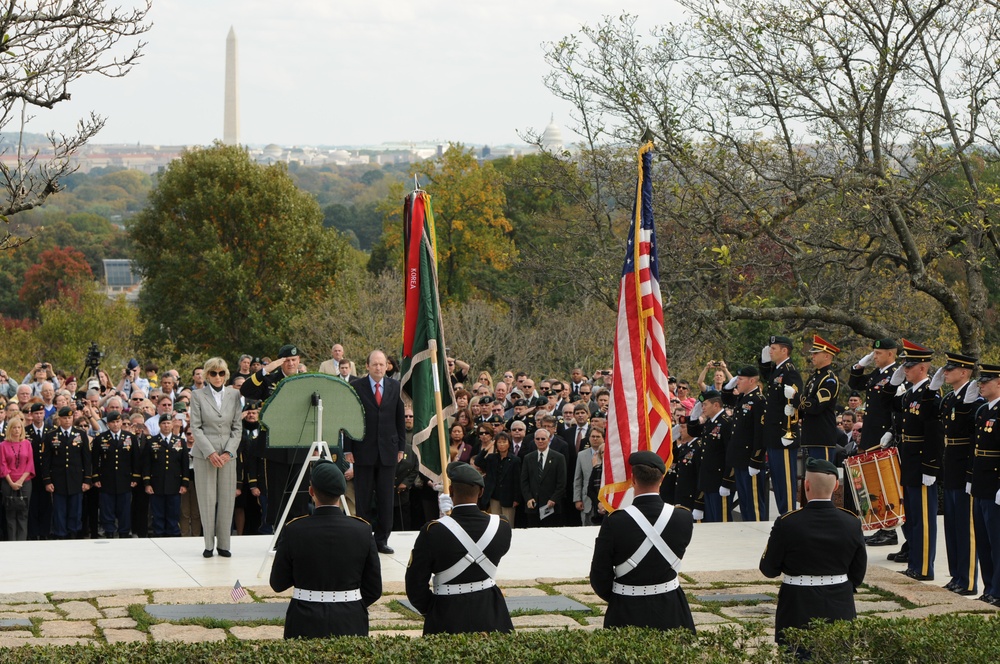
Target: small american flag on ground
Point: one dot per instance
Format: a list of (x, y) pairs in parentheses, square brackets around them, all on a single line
[(238, 592)]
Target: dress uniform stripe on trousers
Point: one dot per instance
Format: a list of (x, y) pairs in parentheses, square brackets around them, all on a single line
[(788, 481), (725, 509), (756, 500), (926, 533), (972, 547)]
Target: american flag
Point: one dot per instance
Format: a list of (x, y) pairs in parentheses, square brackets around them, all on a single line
[(238, 592), (639, 413)]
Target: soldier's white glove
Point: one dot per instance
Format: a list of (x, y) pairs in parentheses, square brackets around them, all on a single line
[(445, 504), (886, 440), (898, 376), (900, 390), (698, 515), (867, 359), (765, 354), (696, 411), (972, 393), (789, 410), (731, 384), (928, 480), (753, 471), (997, 501), (675, 432), (789, 392), (938, 380), (787, 442), (968, 488), (724, 492)]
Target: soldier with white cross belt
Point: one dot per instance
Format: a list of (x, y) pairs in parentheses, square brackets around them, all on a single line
[(638, 555), (461, 552)]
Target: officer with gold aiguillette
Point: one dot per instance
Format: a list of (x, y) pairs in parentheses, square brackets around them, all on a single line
[(818, 406)]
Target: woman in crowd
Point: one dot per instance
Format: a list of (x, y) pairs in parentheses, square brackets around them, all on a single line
[(485, 378), (106, 387), (243, 368), (503, 474), (17, 468), (460, 450), (217, 425), (588, 477)]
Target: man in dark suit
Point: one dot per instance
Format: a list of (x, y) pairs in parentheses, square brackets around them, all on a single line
[(543, 483), (331, 561), (465, 596), (821, 552), (643, 590), (376, 456)]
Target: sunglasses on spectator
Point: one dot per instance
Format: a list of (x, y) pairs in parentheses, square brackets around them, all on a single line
[(137, 399), (582, 392), (213, 373)]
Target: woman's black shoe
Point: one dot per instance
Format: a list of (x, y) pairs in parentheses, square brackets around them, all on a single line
[(207, 553), (225, 553)]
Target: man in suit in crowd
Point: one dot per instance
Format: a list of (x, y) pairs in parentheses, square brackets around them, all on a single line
[(543, 483), (375, 457), (642, 590), (332, 366), (465, 596), (330, 559), (820, 551)]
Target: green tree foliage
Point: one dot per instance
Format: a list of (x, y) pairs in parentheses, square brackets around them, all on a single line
[(230, 251), (473, 244), (362, 222), (802, 179)]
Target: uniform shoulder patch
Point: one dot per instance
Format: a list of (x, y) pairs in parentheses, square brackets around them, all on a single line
[(353, 516)]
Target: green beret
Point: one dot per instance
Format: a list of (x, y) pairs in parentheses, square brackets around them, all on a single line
[(651, 459), (65, 411), (820, 466), (113, 416), (326, 477), (781, 341), (462, 473), (180, 407), (748, 372), (885, 344), (251, 404), (35, 407), (166, 417), (288, 350)]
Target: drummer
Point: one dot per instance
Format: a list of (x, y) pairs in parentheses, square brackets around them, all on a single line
[(919, 457), (958, 416)]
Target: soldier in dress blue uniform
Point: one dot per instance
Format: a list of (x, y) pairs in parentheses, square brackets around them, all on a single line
[(820, 551), (715, 478), (984, 482), (878, 410), (40, 504), (683, 473), (165, 476), (331, 560), (783, 386), (818, 405), (66, 474), (116, 471), (643, 589), (465, 597), (920, 446), (958, 416), (742, 394)]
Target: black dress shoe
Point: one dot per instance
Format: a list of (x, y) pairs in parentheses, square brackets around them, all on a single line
[(913, 574), (208, 553), (989, 599), (225, 553), (952, 586), (385, 548), (899, 557), (964, 592), (883, 538)]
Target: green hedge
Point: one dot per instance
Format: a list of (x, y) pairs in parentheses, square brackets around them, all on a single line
[(968, 639)]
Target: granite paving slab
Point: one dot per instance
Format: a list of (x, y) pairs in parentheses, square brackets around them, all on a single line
[(733, 597), (14, 622), (231, 611)]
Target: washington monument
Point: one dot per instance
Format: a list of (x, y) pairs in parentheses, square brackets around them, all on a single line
[(231, 123)]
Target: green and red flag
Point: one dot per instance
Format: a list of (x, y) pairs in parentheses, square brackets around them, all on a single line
[(422, 330)]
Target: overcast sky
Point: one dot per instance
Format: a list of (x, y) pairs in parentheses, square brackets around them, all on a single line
[(343, 72)]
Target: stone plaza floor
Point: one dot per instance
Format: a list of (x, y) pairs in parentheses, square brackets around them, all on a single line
[(96, 591)]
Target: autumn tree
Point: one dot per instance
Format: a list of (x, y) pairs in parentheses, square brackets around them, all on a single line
[(58, 273), (824, 164), (46, 46), (230, 251), (472, 232)]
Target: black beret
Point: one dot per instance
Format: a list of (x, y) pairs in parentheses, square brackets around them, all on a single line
[(252, 404), (651, 459), (885, 344), (748, 372), (820, 466), (256, 360), (460, 472), (113, 416), (486, 400), (328, 478), (551, 393), (520, 402), (781, 341), (710, 394), (495, 419), (35, 407), (65, 411), (166, 417), (288, 350), (854, 393)]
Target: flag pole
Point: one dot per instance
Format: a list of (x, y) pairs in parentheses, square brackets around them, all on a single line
[(442, 442)]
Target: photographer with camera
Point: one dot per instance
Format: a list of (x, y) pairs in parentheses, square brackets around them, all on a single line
[(720, 377), (8, 388), (39, 375), (131, 380)]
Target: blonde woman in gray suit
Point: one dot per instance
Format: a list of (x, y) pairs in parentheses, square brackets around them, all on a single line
[(217, 426)]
